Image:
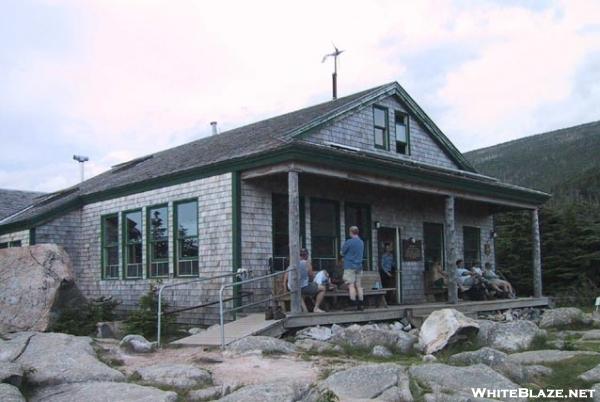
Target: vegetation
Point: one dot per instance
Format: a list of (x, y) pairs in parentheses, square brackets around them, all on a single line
[(564, 163), (143, 321), (564, 374), (80, 319)]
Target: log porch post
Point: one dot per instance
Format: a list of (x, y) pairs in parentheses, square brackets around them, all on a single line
[(537, 253), (451, 251), (294, 239)]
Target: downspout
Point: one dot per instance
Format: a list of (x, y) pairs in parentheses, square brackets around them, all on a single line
[(236, 228)]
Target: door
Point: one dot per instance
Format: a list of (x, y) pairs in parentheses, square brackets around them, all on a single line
[(324, 234), (388, 240), (433, 242)]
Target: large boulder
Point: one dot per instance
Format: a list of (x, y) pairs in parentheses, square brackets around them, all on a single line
[(269, 392), (14, 346), (459, 381), (369, 336), (316, 333), (101, 392), (264, 344), (206, 394), (493, 358), (548, 356), (311, 345), (11, 373), (10, 393), (136, 344), (35, 283), (443, 327), (564, 317), (592, 335), (513, 336), (368, 382), (181, 376), (52, 358)]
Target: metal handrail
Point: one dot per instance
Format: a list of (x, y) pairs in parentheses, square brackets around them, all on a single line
[(222, 311), (172, 285)]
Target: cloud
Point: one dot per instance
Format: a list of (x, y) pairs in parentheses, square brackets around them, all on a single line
[(118, 79)]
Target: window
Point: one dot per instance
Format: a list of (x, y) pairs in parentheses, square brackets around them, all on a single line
[(3, 245), (325, 232), (132, 244), (359, 215), (158, 242), (402, 134), (281, 251), (110, 247), (186, 238), (16, 243), (433, 239), (380, 127), (471, 245)]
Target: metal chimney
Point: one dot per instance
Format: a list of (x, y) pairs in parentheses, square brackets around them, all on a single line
[(213, 124)]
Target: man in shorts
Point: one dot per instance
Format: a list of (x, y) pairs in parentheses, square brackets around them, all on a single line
[(352, 251)]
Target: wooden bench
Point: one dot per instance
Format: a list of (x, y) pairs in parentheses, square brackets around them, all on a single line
[(369, 280)]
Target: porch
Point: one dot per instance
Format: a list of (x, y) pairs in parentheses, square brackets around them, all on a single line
[(312, 205)]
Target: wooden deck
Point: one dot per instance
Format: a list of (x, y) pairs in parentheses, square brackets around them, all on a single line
[(407, 310)]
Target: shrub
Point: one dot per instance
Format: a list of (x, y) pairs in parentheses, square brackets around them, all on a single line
[(143, 321), (80, 319)]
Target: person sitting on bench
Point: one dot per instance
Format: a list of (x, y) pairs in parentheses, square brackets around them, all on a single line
[(439, 278), (499, 285), (307, 288), (324, 283), (352, 251)]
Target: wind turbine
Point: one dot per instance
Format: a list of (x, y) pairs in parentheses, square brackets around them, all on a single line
[(335, 55)]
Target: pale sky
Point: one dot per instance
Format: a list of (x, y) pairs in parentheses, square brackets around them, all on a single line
[(114, 80)]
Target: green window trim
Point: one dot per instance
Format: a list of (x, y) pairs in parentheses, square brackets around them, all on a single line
[(157, 235), (471, 245), (109, 271), (402, 146), (132, 244), (381, 128), (185, 266)]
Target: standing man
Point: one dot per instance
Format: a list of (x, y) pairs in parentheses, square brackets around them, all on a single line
[(352, 251)]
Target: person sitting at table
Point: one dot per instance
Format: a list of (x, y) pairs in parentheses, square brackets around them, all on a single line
[(499, 285)]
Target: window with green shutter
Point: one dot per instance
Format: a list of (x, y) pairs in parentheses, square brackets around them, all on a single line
[(110, 247), (158, 242), (186, 238), (132, 244)]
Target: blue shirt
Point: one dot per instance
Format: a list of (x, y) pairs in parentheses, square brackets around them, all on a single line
[(387, 262), (303, 270), (352, 251)]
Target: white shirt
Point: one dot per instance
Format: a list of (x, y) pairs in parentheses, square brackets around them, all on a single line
[(322, 277)]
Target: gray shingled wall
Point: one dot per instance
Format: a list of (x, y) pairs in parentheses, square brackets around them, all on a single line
[(356, 130)]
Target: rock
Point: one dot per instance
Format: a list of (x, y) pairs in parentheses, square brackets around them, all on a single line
[(485, 328), (365, 382), (592, 375), (381, 351), (110, 329), (205, 394), (35, 282), (11, 373), (535, 371), (493, 358), (316, 333), (310, 345), (10, 393), (596, 388), (52, 358), (513, 336), (397, 394), (136, 344), (443, 327), (269, 392), (429, 358), (181, 376), (440, 397), (548, 356), (592, 335), (12, 348), (336, 329), (458, 381), (262, 344), (101, 392), (563, 317), (194, 330), (368, 336)]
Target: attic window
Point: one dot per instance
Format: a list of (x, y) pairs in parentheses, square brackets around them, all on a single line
[(380, 127), (127, 165), (402, 133)]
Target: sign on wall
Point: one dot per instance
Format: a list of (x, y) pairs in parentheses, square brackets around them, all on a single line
[(412, 250)]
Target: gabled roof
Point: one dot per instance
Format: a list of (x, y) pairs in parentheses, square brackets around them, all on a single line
[(13, 201), (182, 163)]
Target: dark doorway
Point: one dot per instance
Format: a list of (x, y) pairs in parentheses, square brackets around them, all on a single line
[(389, 239), (324, 233), (359, 215)]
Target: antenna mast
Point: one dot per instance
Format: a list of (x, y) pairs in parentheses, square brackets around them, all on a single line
[(335, 55)]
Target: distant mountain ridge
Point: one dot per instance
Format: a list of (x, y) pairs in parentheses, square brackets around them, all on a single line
[(564, 162)]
